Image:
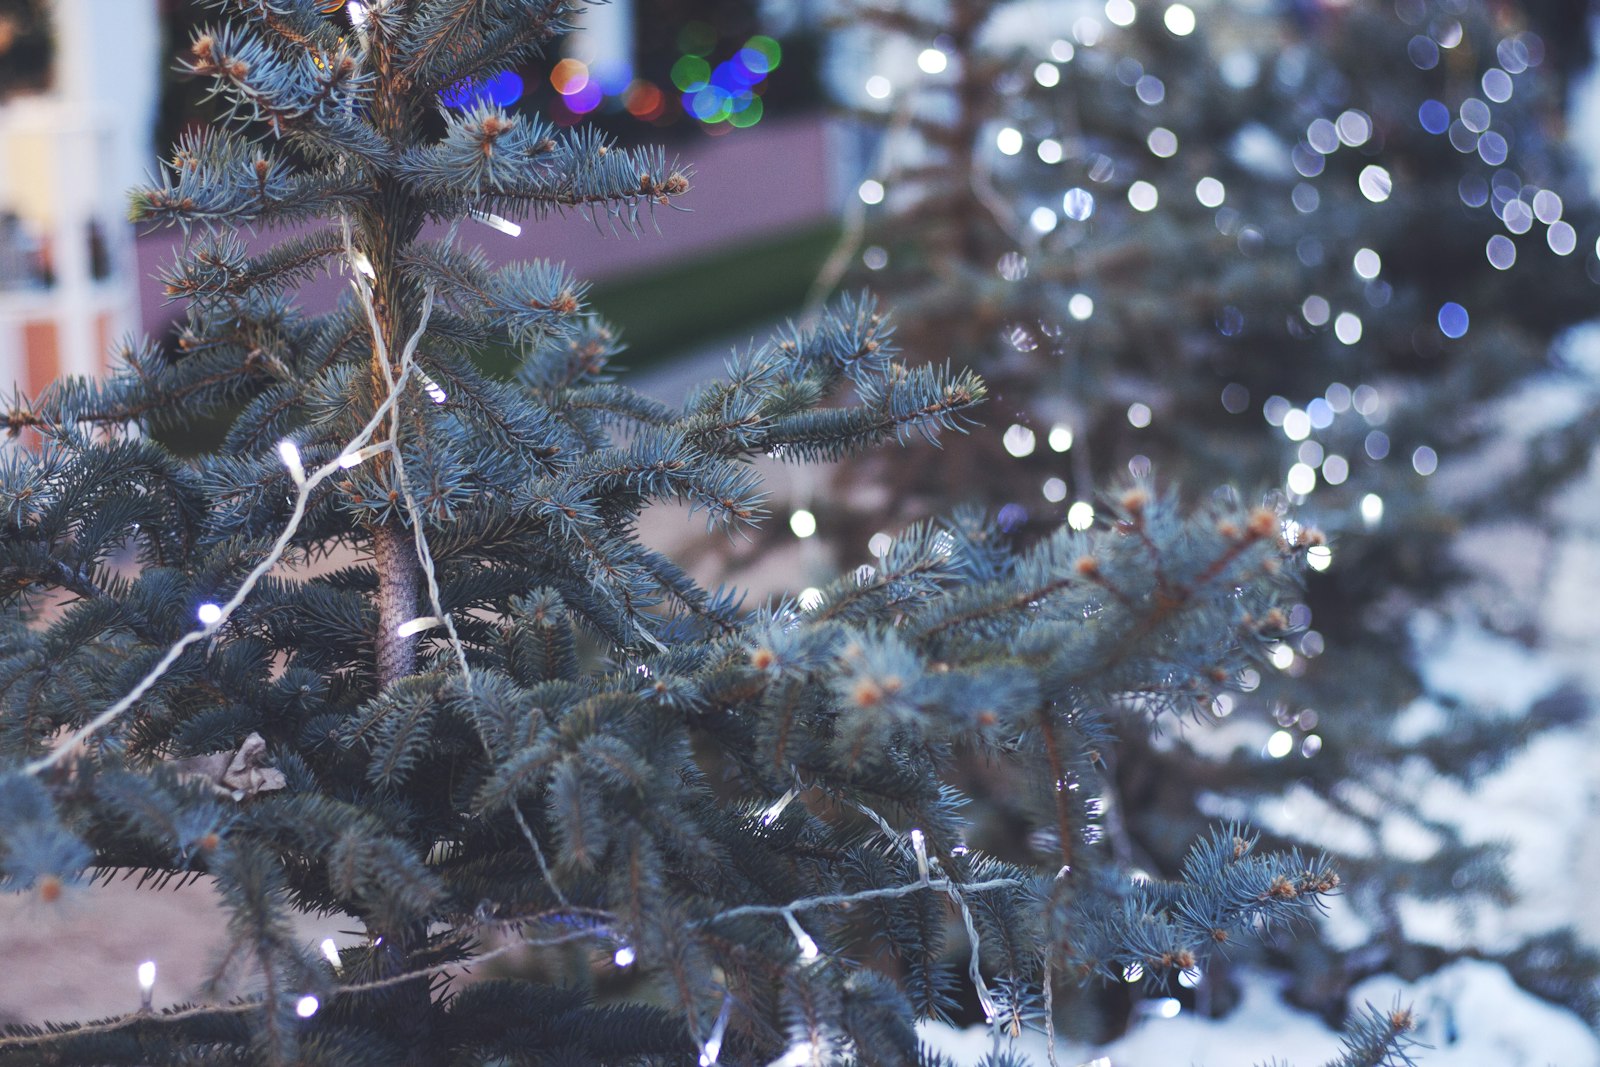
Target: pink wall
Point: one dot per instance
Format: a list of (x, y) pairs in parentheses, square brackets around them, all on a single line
[(772, 177)]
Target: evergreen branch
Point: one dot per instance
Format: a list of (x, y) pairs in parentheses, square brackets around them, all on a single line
[(304, 485)]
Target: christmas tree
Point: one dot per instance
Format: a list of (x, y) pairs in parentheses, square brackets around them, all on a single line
[(392, 650), (1311, 248)]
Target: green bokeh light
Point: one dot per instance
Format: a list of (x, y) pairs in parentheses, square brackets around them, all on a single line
[(691, 73), (767, 47)]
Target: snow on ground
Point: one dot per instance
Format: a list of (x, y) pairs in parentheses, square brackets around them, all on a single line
[(1471, 1015)]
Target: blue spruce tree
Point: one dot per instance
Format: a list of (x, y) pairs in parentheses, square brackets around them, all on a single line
[(392, 651)]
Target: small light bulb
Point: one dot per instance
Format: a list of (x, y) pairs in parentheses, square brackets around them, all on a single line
[(495, 222), (147, 975), (416, 626), (330, 952), (624, 956), (289, 452), (803, 523), (307, 1006), (433, 389), (919, 844), (209, 614), (364, 265)]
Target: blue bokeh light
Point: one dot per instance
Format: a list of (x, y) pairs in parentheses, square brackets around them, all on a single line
[(502, 90), (1434, 116), (1453, 320)]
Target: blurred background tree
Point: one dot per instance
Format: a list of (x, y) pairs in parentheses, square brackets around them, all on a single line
[(1316, 249)]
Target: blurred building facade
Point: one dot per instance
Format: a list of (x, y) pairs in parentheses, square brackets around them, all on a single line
[(68, 284)]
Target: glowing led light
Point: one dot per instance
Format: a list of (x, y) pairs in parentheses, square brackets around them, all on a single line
[(1502, 252), (495, 222), (1047, 75), (1475, 114), (624, 956), (1497, 85), (1354, 128), (1280, 744), (209, 614), (1143, 196), (1189, 977), (870, 191), (330, 952), (1297, 424), (800, 1054), (1310, 746), (1139, 415), (1517, 216), (1043, 220), (809, 599), (1049, 151), (355, 459), (1078, 204), (879, 87), (1080, 516), (1323, 136), (1055, 490), (1080, 306), (1367, 263), (1121, 12), (1162, 142), (416, 626), (1335, 469), (1562, 238), (363, 264), (1347, 327), (1453, 320), (1319, 557), (919, 846), (307, 1006), (1316, 310), (1179, 20), (803, 523), (880, 543), (290, 454), (1168, 1007), (1375, 183), (1060, 438), (571, 76), (1371, 510), (1434, 116), (1008, 140), (147, 975), (1210, 192), (1424, 460), (1150, 89), (434, 390), (1302, 479), (932, 61), (1019, 440), (1132, 972), (1062, 51)]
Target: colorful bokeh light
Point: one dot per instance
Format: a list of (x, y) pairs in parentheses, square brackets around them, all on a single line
[(731, 91), (502, 90)]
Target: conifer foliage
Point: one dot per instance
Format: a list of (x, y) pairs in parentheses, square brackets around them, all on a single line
[(392, 650)]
